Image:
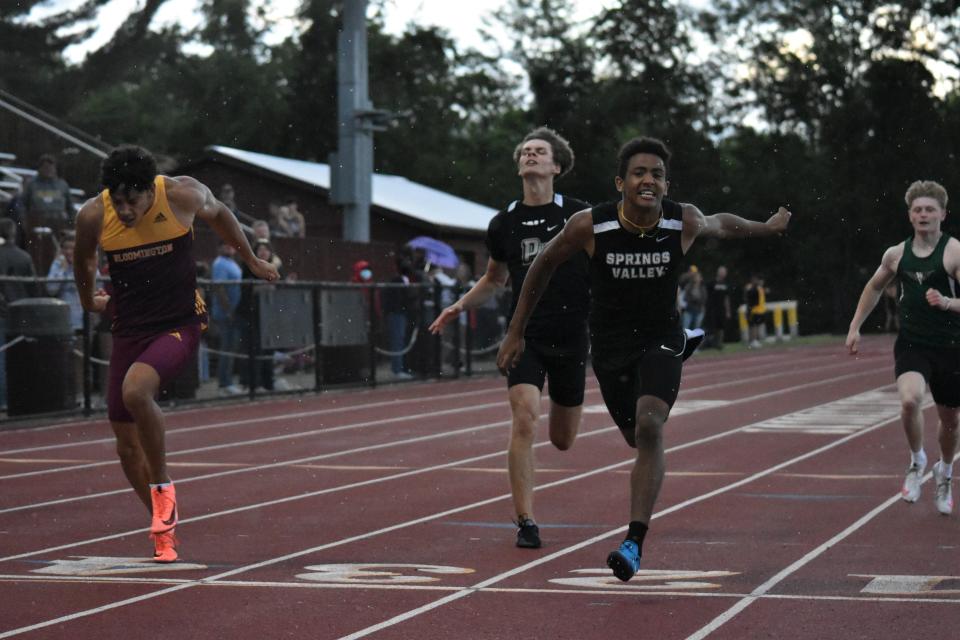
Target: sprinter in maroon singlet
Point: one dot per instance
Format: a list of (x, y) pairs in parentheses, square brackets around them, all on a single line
[(143, 222)]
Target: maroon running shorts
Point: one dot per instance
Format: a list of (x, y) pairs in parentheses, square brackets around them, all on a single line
[(166, 352)]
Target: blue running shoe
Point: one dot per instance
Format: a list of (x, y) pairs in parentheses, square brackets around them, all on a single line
[(694, 340), (625, 561)]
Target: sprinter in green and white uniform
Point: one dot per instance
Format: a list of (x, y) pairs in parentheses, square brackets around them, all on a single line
[(927, 351)]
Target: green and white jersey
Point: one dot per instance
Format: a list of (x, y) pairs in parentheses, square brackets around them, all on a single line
[(919, 322)]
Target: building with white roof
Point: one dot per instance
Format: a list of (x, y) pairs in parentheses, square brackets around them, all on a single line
[(401, 210)]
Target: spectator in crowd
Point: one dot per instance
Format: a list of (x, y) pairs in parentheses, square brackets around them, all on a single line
[(47, 198), (14, 261), (438, 276), (228, 197), (290, 222), (261, 233), (397, 306), (273, 215), (248, 313), (490, 319), (447, 285), (362, 273), (695, 300), (719, 310), (464, 281), (755, 296), (261, 230), (223, 314), (66, 289)]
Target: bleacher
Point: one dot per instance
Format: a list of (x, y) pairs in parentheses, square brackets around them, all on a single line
[(14, 178), (40, 242)]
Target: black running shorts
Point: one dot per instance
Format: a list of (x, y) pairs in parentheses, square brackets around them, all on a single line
[(654, 371), (939, 366), (564, 367)]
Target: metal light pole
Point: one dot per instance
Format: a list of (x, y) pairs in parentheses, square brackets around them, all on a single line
[(352, 166)]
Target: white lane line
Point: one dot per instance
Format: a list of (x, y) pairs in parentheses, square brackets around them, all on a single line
[(607, 591), (328, 490), (285, 463), (404, 474), (701, 368), (727, 615), (842, 416), (277, 438), (722, 385), (387, 403), (267, 418), (313, 397), (590, 541), (485, 583), (90, 496)]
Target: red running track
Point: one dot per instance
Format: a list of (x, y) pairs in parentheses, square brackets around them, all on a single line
[(386, 514)]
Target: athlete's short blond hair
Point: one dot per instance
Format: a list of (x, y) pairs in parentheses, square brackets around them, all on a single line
[(926, 189)]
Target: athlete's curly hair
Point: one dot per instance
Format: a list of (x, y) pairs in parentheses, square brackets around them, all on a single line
[(562, 153), (128, 168), (642, 145), (926, 189)]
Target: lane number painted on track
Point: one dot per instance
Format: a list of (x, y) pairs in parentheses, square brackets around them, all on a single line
[(910, 585), (106, 566), (378, 573), (647, 580), (840, 417), (682, 406)]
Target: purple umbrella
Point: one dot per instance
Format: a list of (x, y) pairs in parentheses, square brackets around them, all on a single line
[(437, 252)]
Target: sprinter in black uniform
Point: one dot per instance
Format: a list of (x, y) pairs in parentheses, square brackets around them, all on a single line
[(636, 248), (556, 333)]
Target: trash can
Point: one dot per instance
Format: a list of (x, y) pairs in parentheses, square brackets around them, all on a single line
[(40, 368), (344, 336)]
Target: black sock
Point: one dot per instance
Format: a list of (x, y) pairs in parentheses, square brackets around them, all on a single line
[(637, 533)]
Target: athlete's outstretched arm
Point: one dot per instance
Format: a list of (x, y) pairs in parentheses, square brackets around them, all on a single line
[(728, 225), (89, 222), (225, 224), (486, 286), (576, 235), (884, 274)]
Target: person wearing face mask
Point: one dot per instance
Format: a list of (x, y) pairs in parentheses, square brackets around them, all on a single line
[(362, 273)]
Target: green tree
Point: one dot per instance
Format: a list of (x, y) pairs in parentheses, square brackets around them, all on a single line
[(31, 54), (850, 79)]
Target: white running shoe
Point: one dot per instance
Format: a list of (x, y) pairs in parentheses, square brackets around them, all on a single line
[(944, 496), (911, 483)]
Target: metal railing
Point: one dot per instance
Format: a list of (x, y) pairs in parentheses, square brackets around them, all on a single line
[(296, 336)]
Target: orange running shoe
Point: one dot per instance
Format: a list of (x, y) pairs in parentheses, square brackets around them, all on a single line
[(164, 508), (164, 547)]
